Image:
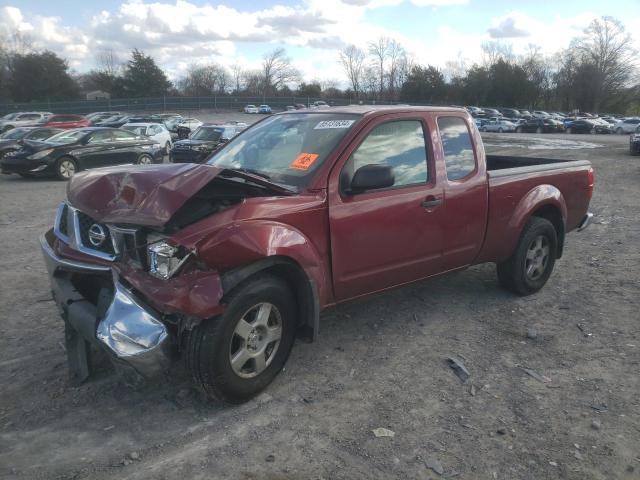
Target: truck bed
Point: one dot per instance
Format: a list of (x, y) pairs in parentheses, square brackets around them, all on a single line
[(503, 165)]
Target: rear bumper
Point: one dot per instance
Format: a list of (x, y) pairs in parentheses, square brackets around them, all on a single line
[(117, 320), (586, 221)]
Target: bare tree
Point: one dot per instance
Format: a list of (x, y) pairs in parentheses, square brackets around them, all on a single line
[(108, 62), (379, 50), (609, 49), (204, 80), (494, 51), (237, 74), (397, 55), (277, 71), (352, 60)]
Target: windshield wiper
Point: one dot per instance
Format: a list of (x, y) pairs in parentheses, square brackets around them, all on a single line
[(246, 173)]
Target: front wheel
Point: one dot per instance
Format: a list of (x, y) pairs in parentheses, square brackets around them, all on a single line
[(530, 266), (145, 159), (66, 168), (235, 356), (500, 130)]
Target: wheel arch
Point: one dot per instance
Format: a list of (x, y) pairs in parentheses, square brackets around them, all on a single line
[(291, 272), (544, 201)]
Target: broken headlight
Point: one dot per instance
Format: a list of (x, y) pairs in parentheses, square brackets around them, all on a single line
[(165, 259)]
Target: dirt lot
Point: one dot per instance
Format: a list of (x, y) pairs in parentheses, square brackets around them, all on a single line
[(378, 363)]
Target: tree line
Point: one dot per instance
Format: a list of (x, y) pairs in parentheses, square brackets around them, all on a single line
[(597, 72)]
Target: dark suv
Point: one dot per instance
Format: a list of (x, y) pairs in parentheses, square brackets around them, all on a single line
[(206, 139)]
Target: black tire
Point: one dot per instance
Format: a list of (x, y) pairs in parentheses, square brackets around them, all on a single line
[(619, 131), (209, 345), (144, 159), (66, 167), (592, 131), (500, 130), (513, 273)]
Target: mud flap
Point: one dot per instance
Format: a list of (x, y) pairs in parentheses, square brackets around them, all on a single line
[(78, 355)]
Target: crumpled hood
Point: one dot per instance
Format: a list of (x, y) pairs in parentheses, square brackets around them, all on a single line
[(148, 195)]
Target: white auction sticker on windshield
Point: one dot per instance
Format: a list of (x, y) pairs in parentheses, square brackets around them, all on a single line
[(333, 124)]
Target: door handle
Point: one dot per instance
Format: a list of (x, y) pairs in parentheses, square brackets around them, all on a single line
[(432, 202)]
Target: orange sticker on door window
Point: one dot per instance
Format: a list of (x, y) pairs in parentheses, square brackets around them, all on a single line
[(304, 161)]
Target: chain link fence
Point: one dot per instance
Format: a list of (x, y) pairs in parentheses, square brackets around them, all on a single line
[(171, 104)]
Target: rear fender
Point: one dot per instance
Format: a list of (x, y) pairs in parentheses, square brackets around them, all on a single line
[(540, 197)]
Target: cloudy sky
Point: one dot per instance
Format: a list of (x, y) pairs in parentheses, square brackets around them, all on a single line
[(178, 33)]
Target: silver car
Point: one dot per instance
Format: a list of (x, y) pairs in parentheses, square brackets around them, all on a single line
[(25, 119), (498, 125), (628, 125)]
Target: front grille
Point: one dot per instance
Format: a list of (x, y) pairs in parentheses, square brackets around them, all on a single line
[(85, 223)]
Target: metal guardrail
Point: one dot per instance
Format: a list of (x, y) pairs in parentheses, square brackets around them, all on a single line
[(169, 104)]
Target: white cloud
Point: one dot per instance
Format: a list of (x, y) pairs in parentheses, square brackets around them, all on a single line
[(438, 3)]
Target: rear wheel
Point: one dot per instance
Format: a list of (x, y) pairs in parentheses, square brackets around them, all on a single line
[(531, 264), (66, 167), (235, 356), (145, 159), (500, 130), (167, 148)]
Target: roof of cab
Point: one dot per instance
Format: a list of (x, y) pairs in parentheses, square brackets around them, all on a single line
[(373, 109)]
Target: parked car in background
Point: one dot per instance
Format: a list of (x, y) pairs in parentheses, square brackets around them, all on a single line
[(67, 121), (628, 125), (115, 121), (586, 126), (206, 139), (526, 114), (25, 119), (14, 139), (290, 108), (251, 109), (264, 109), (510, 114), (634, 143), (498, 125), (236, 258), (70, 151), (190, 123), (300, 106), (154, 131), (475, 111), (540, 125), (491, 112), (320, 104), (540, 114), (96, 117)]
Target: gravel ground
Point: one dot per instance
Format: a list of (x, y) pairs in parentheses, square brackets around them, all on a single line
[(379, 362)]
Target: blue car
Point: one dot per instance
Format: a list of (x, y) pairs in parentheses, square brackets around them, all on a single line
[(264, 109)]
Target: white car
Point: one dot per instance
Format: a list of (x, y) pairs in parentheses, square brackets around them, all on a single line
[(628, 125), (190, 123), (251, 109), (541, 114), (155, 131), (498, 125), (25, 119)]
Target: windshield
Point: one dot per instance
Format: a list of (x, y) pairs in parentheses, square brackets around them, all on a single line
[(209, 134), (286, 148), (68, 136), (14, 134)]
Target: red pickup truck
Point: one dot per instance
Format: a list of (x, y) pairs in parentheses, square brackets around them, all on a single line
[(225, 263)]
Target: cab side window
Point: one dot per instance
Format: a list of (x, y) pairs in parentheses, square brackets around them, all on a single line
[(399, 144), (100, 137), (456, 145)]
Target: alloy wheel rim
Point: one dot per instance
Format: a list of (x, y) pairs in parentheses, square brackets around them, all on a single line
[(145, 160), (67, 169), (255, 340), (537, 258)]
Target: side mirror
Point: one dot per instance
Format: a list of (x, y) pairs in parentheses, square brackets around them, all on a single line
[(371, 177)]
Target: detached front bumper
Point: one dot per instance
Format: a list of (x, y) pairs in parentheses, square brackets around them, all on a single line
[(115, 318)]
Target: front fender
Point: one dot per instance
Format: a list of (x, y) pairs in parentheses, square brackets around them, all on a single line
[(247, 242)]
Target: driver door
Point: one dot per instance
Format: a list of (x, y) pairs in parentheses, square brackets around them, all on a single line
[(389, 236)]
